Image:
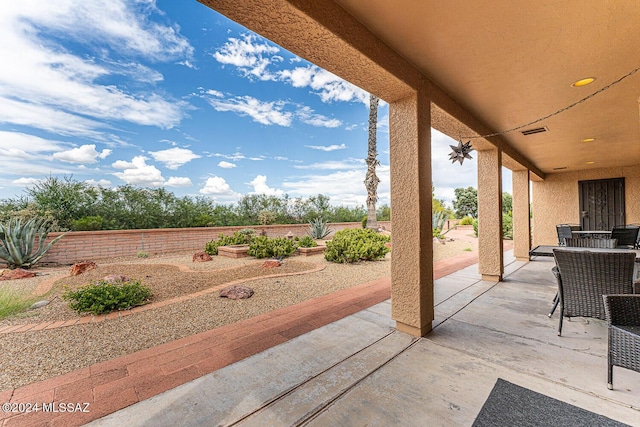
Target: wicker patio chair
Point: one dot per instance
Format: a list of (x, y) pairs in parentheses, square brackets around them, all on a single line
[(627, 235), (586, 276), (623, 317), (591, 243), (564, 232)]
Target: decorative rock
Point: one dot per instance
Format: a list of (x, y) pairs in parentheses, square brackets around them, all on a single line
[(18, 273), (115, 278), (38, 304), (201, 257), (272, 263), (236, 292), (81, 267)]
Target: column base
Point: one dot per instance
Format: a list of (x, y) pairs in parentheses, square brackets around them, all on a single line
[(412, 330), (523, 258), (492, 277)]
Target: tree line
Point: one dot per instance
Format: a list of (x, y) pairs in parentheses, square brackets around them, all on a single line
[(74, 205)]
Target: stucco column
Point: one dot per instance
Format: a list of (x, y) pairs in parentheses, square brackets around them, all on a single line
[(412, 255), (491, 263), (521, 217)]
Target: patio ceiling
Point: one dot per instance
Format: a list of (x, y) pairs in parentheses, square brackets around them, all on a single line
[(510, 66)]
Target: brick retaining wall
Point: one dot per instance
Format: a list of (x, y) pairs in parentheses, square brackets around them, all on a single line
[(91, 245)]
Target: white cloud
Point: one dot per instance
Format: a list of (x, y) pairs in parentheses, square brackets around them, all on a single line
[(335, 165), (327, 147), (226, 165), (24, 146), (352, 127), (175, 157), (218, 188), (256, 58), (45, 78), (99, 183), (266, 113), (138, 172), (260, 186), (235, 156), (326, 85), (250, 54), (177, 181), (280, 158), (344, 187), (306, 115), (27, 181), (82, 154)]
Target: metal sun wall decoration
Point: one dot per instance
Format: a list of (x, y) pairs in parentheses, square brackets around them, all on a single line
[(460, 152)]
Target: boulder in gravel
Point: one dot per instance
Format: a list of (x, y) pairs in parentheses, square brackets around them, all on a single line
[(38, 304), (81, 267), (18, 273), (115, 278), (236, 292), (201, 257), (272, 263)]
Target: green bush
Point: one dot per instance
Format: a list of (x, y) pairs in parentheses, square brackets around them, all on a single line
[(305, 242), (364, 221), (267, 247), (352, 245), (467, 220), (241, 237), (507, 227), (475, 227), (87, 223), (104, 297)]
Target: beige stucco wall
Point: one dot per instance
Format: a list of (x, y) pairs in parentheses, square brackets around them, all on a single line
[(555, 200)]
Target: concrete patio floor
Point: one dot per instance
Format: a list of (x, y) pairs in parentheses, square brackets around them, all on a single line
[(359, 371)]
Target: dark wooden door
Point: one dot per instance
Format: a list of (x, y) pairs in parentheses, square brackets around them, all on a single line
[(601, 203)]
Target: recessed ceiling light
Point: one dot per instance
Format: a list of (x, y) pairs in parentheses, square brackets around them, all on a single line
[(588, 140), (583, 82), (590, 163)]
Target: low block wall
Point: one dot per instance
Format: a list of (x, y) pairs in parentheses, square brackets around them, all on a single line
[(78, 246)]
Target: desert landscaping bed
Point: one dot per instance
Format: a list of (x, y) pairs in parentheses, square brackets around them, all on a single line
[(34, 356)]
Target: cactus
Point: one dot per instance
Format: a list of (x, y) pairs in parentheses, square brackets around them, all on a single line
[(319, 229), (18, 241)]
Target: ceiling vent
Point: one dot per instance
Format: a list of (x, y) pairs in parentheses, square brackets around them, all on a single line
[(534, 131), (559, 169)]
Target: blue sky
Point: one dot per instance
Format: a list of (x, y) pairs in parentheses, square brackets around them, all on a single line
[(172, 94)]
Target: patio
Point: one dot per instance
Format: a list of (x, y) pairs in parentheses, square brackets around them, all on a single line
[(361, 371)]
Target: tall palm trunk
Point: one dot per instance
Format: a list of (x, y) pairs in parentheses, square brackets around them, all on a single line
[(371, 179)]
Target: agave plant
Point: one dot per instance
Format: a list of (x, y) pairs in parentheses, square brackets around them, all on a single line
[(18, 241), (319, 229)]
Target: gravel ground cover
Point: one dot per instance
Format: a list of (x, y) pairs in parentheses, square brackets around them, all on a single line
[(35, 356)]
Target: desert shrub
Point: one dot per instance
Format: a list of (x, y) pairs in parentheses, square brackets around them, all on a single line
[(142, 254), (305, 242), (364, 221), (356, 244), (267, 247), (23, 244), (241, 237), (104, 297), (319, 229), (475, 227), (467, 220), (507, 227), (87, 223), (266, 217)]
